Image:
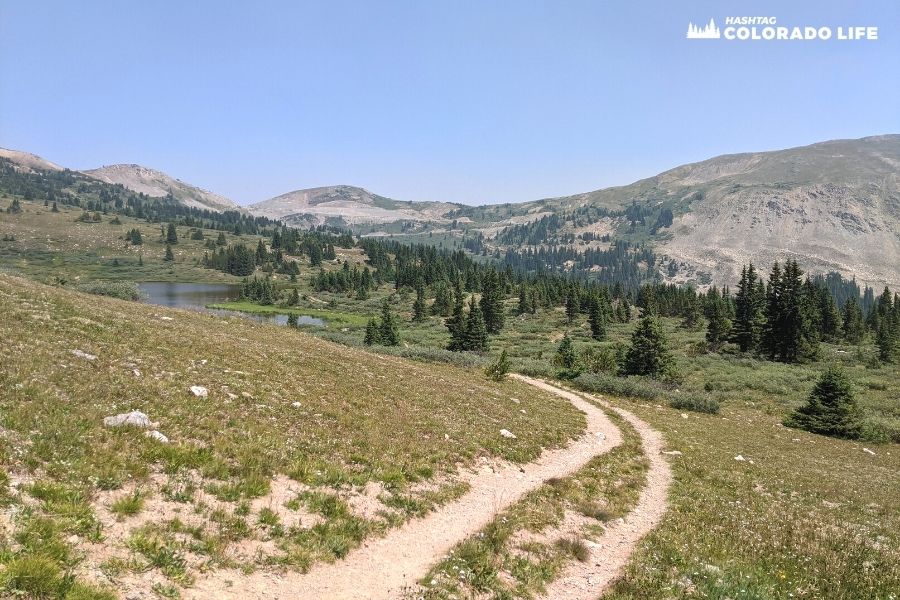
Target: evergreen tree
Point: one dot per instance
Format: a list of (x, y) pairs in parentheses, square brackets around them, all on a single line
[(220, 241), (169, 255), (719, 325), (498, 370), (456, 324), (524, 306), (262, 255), (649, 351), (566, 359), (292, 320), (373, 333), (748, 306), (597, 320), (693, 315), (171, 234), (294, 298), (571, 308), (491, 303), (443, 300), (886, 341), (419, 308), (54, 208), (387, 330), (831, 408), (790, 333), (475, 337), (853, 326)]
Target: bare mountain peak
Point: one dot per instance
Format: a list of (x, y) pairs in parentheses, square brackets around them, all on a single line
[(28, 161), (156, 184)]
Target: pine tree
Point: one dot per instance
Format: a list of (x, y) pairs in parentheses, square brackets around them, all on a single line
[(15, 207), (719, 325), (220, 241), (292, 320), (171, 234), (294, 298), (649, 351), (886, 341), (419, 308), (566, 358), (853, 326), (571, 307), (262, 255), (498, 370), (831, 408), (597, 320), (387, 330), (373, 333), (475, 337), (456, 324), (693, 315), (443, 300), (54, 208), (169, 255), (748, 307), (491, 303), (524, 306)]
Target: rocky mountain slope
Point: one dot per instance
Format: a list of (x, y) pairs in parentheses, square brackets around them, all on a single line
[(157, 184), (833, 206), (27, 161), (351, 204)]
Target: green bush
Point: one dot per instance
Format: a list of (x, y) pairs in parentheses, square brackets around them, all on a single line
[(695, 403), (123, 290), (631, 387)]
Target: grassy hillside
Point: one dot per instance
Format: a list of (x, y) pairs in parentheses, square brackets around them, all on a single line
[(46, 245), (300, 450)]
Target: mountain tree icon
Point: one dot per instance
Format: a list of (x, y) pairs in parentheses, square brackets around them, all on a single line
[(710, 32)]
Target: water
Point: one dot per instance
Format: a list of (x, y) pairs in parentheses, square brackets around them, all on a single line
[(196, 296)]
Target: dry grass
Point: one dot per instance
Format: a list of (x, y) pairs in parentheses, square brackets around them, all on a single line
[(361, 417)]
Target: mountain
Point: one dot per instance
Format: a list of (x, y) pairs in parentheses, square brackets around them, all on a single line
[(157, 184), (27, 161), (347, 204), (833, 206)]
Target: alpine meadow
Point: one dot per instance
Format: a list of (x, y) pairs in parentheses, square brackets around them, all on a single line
[(675, 386)]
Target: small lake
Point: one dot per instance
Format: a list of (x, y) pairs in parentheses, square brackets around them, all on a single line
[(195, 296)]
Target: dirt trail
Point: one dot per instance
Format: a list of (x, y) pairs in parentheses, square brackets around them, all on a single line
[(383, 567), (610, 553)]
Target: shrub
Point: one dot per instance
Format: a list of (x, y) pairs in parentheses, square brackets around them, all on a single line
[(123, 290), (618, 386), (695, 403)]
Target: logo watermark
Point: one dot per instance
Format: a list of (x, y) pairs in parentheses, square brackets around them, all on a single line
[(768, 29)]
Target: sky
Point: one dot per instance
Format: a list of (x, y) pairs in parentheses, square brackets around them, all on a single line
[(462, 101)]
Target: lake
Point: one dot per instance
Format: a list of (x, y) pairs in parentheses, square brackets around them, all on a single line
[(196, 296)]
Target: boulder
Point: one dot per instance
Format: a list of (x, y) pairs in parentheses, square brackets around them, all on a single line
[(134, 418), (199, 391)]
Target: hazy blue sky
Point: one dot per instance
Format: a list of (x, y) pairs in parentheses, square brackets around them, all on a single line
[(473, 102)]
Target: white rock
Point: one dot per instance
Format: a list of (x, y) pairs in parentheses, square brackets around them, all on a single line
[(157, 436), (446, 436), (684, 415), (84, 355), (739, 458), (671, 452), (136, 372), (507, 434), (199, 391), (295, 404), (167, 318), (134, 418), (867, 451)]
